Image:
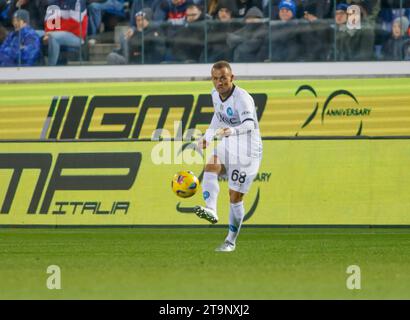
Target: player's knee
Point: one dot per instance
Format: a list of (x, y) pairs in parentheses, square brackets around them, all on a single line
[(235, 196), (213, 165), (213, 168)]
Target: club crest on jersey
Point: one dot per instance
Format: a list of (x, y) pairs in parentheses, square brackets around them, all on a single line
[(227, 120), (229, 111)]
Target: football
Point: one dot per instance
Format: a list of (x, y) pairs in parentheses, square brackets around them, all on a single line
[(185, 184)]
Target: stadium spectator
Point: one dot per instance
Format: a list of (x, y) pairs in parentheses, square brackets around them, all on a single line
[(308, 9), (285, 35), (394, 48), (138, 5), (96, 10), (22, 46), (71, 31), (341, 16), (218, 29), (358, 44), (145, 45), (390, 10), (188, 44), (249, 43), (225, 11), (174, 11), (287, 10), (340, 31), (36, 9)]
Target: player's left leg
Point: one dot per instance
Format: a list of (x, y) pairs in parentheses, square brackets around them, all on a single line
[(240, 180), (236, 215)]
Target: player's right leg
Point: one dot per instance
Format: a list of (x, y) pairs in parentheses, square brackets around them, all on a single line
[(210, 190)]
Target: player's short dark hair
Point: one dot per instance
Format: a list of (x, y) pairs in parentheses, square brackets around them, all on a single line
[(222, 64)]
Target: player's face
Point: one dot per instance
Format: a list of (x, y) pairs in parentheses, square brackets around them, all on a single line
[(222, 79)]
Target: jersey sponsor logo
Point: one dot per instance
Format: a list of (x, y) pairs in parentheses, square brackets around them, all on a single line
[(229, 121)]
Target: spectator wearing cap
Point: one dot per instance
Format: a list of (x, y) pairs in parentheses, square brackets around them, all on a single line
[(395, 47), (340, 32), (145, 45), (97, 9), (341, 15), (218, 29), (249, 44), (138, 5), (22, 46), (287, 10), (286, 37)]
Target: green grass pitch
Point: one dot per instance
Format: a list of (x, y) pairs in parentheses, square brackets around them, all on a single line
[(179, 263)]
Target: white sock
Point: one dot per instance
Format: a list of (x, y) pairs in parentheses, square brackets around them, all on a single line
[(236, 214), (210, 189)]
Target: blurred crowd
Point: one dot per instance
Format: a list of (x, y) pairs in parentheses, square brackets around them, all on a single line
[(49, 32)]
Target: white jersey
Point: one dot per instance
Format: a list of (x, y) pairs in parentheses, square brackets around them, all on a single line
[(231, 112)]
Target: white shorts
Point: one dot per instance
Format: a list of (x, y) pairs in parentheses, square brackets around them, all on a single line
[(241, 169)]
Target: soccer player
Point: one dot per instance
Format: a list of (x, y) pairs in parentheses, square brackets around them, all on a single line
[(238, 154)]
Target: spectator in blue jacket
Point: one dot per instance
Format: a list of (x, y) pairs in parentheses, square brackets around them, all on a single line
[(22, 45)]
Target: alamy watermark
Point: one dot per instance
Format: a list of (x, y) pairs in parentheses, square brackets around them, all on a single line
[(54, 280), (180, 149), (354, 280)]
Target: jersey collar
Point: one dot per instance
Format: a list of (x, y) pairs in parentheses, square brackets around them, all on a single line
[(230, 93)]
